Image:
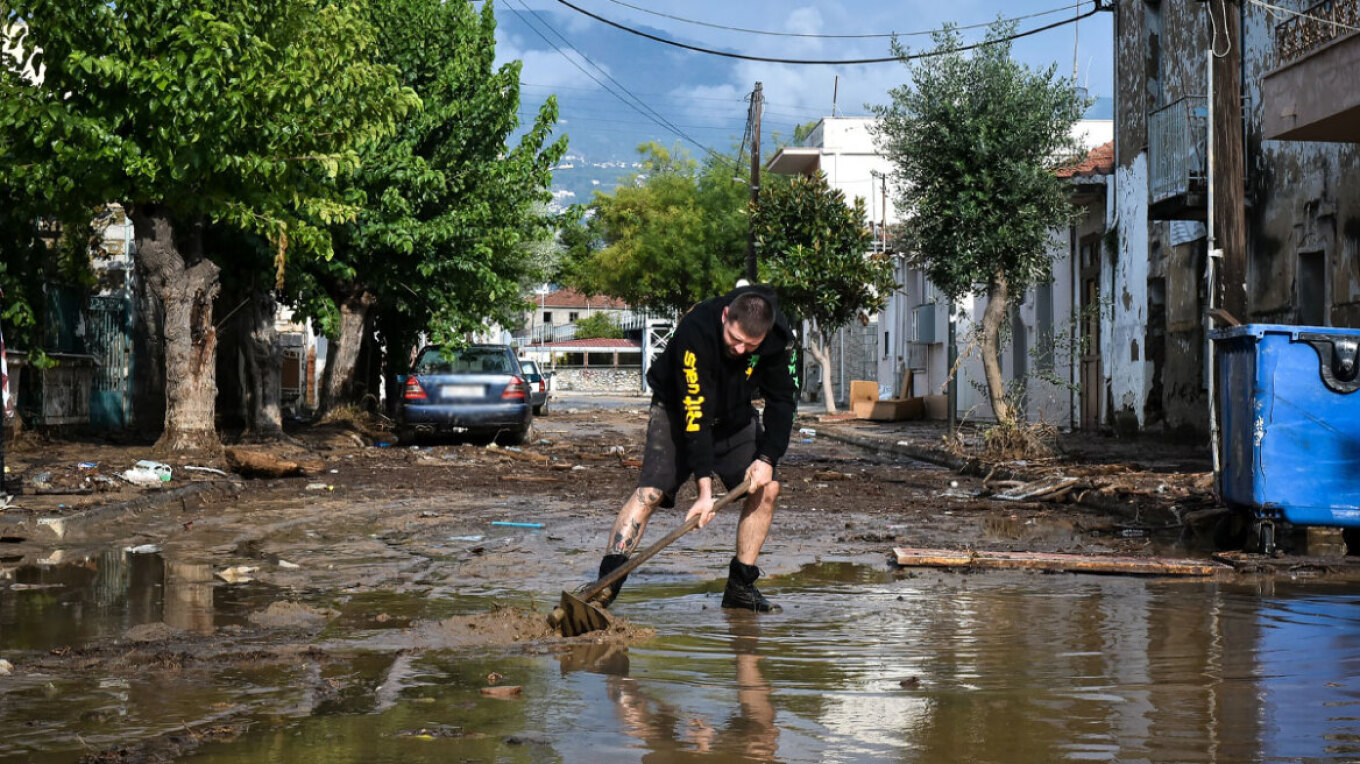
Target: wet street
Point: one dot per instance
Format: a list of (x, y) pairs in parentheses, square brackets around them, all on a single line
[(371, 623)]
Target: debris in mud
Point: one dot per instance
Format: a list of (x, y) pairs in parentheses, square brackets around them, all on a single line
[(237, 574), (291, 615), (260, 464), (1049, 489), (436, 733), (1074, 563), (529, 738), (170, 746), (6, 668), (494, 678), (151, 632), (503, 691)]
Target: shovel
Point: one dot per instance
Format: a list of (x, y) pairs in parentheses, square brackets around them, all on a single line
[(577, 615)]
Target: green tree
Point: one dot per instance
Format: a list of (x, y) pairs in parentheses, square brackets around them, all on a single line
[(455, 214), (815, 252), (673, 235), (974, 143), (194, 112), (598, 326)]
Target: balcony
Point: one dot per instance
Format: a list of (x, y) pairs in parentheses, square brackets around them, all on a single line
[(1311, 94), (1177, 137)]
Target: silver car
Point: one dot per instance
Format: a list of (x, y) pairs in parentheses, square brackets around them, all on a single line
[(540, 386)]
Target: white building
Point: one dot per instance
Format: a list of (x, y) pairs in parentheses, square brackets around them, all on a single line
[(912, 331)]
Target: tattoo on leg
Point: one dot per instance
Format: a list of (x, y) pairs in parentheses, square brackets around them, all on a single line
[(626, 540), (650, 496)]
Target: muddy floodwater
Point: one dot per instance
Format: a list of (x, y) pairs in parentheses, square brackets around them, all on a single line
[(865, 664)]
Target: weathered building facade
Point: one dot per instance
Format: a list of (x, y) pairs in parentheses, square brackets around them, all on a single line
[(1178, 144)]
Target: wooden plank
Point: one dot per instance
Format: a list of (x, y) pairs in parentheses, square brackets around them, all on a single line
[(1074, 563), (1036, 490)]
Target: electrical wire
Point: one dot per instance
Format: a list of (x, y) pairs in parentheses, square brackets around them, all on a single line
[(836, 36), (1213, 40), (1303, 14), (818, 62), (640, 106)]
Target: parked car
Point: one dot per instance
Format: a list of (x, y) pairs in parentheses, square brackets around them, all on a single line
[(540, 387), (474, 390)]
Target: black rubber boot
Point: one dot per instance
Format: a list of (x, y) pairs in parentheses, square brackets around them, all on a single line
[(608, 564), (742, 594)]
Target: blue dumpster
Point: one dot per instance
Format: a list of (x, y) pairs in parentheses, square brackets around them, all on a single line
[(1290, 422)]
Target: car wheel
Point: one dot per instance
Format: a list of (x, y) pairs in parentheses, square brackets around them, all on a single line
[(406, 436), (541, 409), (512, 437)]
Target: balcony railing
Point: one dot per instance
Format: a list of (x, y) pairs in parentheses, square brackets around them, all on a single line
[(1314, 27), (1177, 138)]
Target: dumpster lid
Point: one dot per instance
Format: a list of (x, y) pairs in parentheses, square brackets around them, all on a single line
[(1260, 330)]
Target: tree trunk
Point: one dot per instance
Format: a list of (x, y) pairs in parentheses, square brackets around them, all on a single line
[(186, 282), (820, 348), (343, 354), (992, 318), (262, 381)]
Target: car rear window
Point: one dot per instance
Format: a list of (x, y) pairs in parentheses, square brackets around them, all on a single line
[(464, 361)]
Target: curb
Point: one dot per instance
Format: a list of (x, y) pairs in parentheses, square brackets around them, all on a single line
[(927, 454), (200, 492)]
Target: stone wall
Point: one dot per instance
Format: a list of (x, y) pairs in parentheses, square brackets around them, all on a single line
[(625, 379)]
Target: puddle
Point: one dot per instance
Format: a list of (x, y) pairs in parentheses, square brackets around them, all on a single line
[(102, 596), (865, 664)]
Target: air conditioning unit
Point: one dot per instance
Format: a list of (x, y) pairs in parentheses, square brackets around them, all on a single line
[(923, 321)]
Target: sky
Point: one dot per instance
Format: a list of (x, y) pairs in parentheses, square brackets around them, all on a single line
[(700, 100)]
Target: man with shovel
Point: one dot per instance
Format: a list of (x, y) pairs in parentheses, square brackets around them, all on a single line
[(724, 352)]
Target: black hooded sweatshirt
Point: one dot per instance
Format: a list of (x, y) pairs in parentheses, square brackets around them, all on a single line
[(708, 394)]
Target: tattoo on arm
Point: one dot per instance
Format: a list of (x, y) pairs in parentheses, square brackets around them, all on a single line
[(626, 540)]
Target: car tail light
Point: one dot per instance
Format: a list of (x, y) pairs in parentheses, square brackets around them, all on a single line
[(542, 386), (413, 391), (515, 391)]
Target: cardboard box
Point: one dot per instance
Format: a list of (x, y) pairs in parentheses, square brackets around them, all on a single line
[(898, 409), (863, 394)]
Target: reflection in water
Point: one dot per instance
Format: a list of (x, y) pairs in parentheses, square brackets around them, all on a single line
[(101, 596), (862, 666), (189, 596), (666, 731)]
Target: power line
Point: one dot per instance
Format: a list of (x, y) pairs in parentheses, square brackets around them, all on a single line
[(640, 107), (1277, 10), (817, 62), (837, 36)]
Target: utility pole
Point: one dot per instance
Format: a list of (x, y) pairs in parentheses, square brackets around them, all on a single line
[(1229, 160), (754, 119)]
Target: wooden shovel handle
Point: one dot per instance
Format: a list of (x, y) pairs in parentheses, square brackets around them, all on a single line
[(646, 554)]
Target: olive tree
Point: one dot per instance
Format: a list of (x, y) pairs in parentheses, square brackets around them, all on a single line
[(974, 139), (193, 113), (815, 250)]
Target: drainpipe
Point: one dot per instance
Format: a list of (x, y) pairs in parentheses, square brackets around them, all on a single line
[(1211, 278), (1074, 310), (952, 358)]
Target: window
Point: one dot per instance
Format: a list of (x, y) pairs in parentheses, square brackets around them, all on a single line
[(547, 316), (1043, 319), (574, 316), (1312, 286)]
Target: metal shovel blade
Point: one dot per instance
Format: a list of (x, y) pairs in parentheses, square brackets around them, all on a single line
[(580, 617)]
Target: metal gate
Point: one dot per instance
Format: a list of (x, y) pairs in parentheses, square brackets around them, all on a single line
[(108, 337)]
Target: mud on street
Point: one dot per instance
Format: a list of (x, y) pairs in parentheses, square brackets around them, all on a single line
[(159, 633)]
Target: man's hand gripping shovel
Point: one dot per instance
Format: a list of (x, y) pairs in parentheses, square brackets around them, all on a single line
[(577, 615)]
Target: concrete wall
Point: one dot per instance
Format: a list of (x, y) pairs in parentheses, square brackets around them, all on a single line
[(1303, 201), (1303, 220), (598, 380)]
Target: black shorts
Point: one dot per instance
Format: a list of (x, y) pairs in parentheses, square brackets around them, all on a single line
[(663, 463)]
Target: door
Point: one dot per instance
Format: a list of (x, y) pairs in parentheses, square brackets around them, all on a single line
[(1092, 377), (109, 340)]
